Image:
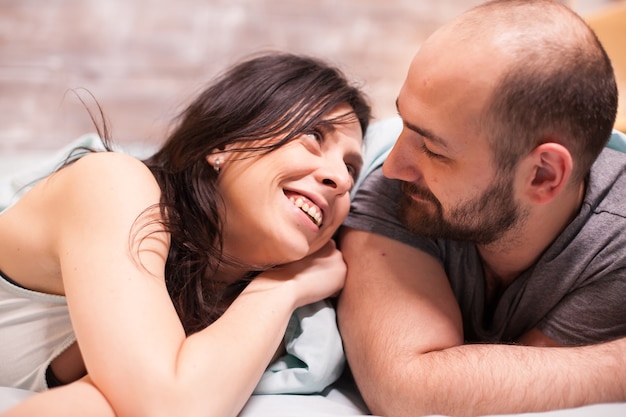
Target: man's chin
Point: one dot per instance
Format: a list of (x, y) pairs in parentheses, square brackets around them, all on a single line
[(419, 220), (424, 219), (422, 228)]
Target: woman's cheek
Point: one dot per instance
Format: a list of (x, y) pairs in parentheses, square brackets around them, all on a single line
[(342, 207)]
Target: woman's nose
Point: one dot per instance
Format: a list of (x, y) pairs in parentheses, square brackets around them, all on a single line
[(336, 176)]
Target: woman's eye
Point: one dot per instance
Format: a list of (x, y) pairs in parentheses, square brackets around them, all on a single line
[(353, 171), (315, 135)]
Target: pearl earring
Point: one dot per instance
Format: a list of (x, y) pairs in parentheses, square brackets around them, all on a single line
[(216, 165)]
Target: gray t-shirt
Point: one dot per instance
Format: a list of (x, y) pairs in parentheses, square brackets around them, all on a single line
[(575, 293)]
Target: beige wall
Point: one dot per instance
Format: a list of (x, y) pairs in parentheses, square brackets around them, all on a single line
[(142, 59)]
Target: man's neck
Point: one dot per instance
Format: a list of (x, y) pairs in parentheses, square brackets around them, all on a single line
[(521, 247)]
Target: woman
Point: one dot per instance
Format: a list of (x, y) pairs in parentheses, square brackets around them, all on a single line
[(167, 265)]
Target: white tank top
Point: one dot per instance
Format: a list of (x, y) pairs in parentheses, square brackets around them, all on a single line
[(35, 328)]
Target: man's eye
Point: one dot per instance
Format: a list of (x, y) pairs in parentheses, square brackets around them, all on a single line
[(430, 154)]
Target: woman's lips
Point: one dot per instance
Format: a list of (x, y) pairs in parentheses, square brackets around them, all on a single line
[(307, 206)]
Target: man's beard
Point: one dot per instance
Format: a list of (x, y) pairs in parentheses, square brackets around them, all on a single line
[(482, 220)]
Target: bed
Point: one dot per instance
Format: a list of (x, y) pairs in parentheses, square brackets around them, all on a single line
[(339, 399)]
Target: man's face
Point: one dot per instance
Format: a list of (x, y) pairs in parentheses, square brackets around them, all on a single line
[(452, 187), (481, 219)]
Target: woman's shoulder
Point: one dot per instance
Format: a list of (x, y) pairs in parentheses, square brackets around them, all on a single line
[(110, 168), (101, 193), (105, 180), (109, 162)]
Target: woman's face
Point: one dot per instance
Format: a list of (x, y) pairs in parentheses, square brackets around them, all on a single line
[(285, 204)]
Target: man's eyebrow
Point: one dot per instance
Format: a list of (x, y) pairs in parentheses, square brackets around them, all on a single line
[(422, 132)]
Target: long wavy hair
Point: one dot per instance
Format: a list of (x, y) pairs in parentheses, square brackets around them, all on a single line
[(271, 96)]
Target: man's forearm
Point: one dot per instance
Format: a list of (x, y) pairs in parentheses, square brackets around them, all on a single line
[(493, 379), (403, 335)]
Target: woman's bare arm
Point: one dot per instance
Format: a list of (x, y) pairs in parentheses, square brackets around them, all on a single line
[(131, 339)]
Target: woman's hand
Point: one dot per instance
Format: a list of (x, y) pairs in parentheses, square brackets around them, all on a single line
[(318, 276)]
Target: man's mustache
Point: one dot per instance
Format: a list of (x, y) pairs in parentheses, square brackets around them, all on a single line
[(410, 189)]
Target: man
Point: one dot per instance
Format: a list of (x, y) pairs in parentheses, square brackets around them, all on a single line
[(487, 272)]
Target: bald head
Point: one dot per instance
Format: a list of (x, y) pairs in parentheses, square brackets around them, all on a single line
[(522, 29), (540, 71)]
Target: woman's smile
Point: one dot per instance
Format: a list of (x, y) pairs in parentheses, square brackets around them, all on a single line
[(314, 213)]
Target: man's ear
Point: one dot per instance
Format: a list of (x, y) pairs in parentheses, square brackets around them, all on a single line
[(551, 167)]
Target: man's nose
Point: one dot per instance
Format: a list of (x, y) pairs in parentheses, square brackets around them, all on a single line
[(401, 163)]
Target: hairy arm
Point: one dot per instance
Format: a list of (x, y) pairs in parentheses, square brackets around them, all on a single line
[(403, 340), (137, 355)]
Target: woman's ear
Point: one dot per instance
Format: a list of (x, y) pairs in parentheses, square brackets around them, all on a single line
[(222, 153), (212, 157), (550, 170), (216, 159)]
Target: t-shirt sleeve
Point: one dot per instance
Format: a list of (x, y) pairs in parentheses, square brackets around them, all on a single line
[(374, 209), (591, 314), (587, 264)]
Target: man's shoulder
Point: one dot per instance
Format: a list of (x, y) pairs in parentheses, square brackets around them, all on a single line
[(617, 141), (376, 181), (607, 182), (377, 197)]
